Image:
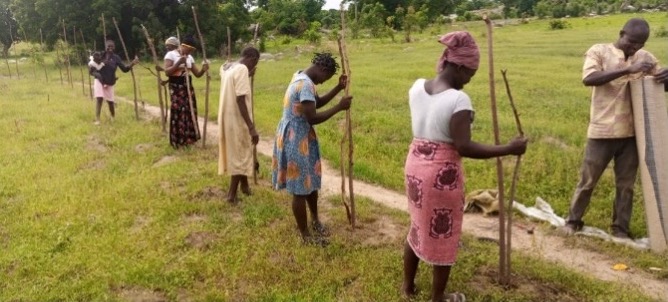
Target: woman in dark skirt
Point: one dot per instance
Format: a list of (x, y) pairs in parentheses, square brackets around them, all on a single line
[(179, 64)]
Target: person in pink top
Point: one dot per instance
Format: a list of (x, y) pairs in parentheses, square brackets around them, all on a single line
[(441, 117), (609, 68)]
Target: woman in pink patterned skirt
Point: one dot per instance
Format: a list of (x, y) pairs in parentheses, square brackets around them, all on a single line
[(441, 116)]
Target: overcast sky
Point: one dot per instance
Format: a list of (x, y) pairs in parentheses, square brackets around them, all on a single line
[(329, 4)]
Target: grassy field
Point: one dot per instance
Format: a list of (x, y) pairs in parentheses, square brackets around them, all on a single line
[(112, 213)]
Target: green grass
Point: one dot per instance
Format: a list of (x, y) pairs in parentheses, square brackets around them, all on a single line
[(87, 215)]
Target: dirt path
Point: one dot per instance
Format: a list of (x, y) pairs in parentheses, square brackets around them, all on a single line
[(540, 244)]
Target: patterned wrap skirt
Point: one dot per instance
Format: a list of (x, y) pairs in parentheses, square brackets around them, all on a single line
[(435, 190), (296, 163), (182, 129)]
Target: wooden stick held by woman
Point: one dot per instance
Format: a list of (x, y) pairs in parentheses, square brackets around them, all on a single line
[(132, 72), (208, 77), (513, 184), (503, 252), (345, 66)]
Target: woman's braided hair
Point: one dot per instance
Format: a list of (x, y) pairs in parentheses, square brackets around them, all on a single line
[(326, 61)]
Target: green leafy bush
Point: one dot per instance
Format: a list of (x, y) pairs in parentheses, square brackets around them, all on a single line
[(559, 24)]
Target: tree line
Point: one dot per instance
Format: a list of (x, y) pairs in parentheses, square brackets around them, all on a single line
[(51, 20)]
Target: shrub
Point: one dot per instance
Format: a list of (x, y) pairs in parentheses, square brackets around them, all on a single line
[(559, 24), (312, 34)]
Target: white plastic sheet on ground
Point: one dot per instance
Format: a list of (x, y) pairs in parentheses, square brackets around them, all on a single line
[(543, 211)]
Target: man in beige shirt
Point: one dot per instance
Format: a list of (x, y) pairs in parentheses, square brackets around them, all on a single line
[(235, 122), (609, 68)]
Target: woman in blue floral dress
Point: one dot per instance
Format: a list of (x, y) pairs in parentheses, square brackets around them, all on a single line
[(296, 160)]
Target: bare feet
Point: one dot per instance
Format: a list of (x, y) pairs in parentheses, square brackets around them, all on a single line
[(233, 200), (409, 291), (320, 228)]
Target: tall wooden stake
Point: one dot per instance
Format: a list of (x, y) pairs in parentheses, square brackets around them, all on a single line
[(60, 68), (41, 46), (516, 173), (33, 53), (345, 66), (81, 61), (16, 62), (167, 102), (256, 164), (503, 252), (257, 28), (229, 43), (90, 86), (208, 78), (9, 69), (156, 62), (132, 72), (67, 56), (104, 31)]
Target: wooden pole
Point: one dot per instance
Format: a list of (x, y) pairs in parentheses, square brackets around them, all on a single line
[(256, 164), (229, 43), (16, 62), (141, 98), (208, 78), (67, 55), (81, 61), (167, 102), (156, 62), (9, 69), (516, 173), (104, 31), (132, 72), (349, 132), (33, 53), (60, 69), (503, 265), (41, 46), (90, 84), (257, 27)]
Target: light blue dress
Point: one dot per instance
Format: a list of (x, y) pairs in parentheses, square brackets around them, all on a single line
[(296, 158)]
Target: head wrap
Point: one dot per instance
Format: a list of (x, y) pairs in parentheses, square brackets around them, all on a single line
[(189, 41), (172, 41), (461, 50)]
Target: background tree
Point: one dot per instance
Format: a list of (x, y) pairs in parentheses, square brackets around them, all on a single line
[(9, 33), (373, 18)]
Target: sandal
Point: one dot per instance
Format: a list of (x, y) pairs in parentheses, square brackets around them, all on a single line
[(319, 228), (455, 297)]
